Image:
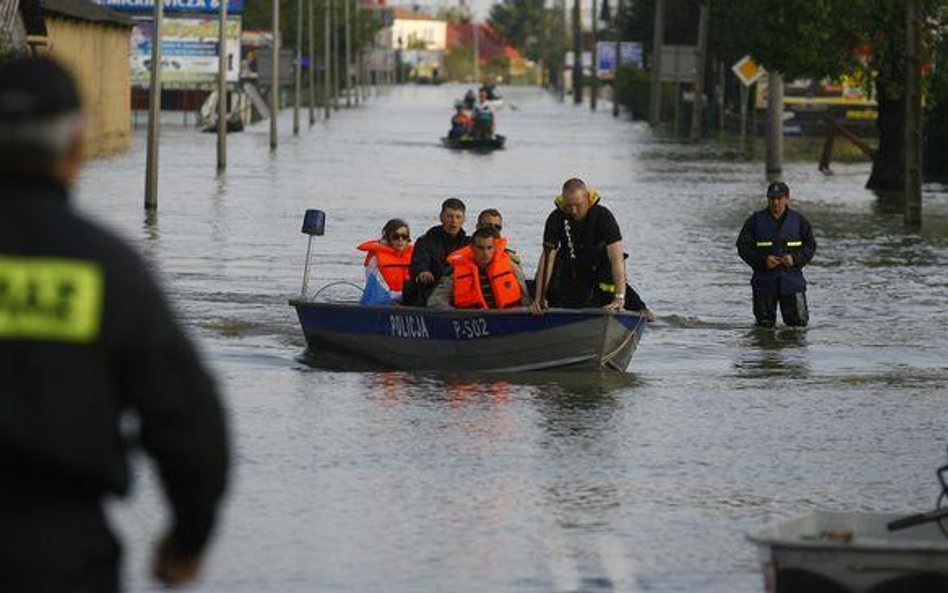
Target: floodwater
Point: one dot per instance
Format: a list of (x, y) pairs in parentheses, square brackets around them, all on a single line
[(648, 481)]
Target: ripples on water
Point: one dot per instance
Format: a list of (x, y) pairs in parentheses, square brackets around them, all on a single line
[(648, 481)]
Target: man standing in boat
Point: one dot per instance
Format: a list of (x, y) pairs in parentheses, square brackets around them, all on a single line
[(776, 243), (430, 258), (582, 263), (482, 276), (87, 343)]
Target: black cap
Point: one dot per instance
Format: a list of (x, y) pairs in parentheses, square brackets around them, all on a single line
[(777, 188), (35, 89)]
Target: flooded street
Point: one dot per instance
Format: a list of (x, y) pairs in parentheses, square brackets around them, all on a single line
[(400, 482)]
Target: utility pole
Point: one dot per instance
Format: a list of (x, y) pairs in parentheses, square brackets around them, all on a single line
[(774, 169), (477, 51), (561, 75), (275, 76), (298, 70), (655, 88), (617, 60), (594, 71), (311, 71), (913, 115), (154, 114), (577, 53), (348, 44), (335, 59), (701, 57), (222, 89), (327, 74)]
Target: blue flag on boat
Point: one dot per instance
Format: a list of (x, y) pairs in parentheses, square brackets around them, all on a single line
[(375, 292)]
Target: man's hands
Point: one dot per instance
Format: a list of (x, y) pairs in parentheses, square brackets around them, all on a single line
[(774, 261), (171, 568), (537, 306), (424, 278), (617, 303)]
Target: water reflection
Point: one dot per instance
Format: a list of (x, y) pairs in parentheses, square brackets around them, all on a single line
[(773, 351)]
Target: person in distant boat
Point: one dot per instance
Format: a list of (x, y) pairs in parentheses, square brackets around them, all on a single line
[(461, 122), (776, 243), (470, 100), (482, 276), (430, 257), (491, 90), (582, 263), (483, 117), (387, 259)]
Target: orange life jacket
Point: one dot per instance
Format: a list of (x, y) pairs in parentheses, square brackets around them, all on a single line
[(467, 279), (392, 265)]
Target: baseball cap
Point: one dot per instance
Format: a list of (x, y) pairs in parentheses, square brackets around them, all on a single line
[(35, 89), (777, 188)]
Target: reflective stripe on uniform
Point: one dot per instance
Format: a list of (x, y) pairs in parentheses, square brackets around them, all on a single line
[(44, 298), (765, 243), (794, 243), (607, 287)]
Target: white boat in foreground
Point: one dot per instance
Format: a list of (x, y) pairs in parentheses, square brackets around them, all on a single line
[(852, 553)]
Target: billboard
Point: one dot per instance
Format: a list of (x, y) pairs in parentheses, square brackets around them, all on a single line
[(189, 52), (172, 6), (630, 54)]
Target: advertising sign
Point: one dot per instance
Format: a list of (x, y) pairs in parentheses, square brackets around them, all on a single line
[(189, 52), (630, 54), (678, 63), (173, 6)]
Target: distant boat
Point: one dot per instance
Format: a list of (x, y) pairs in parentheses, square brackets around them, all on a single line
[(418, 338), (469, 143), (234, 124)]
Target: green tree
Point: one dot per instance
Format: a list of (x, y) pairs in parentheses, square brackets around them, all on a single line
[(533, 29)]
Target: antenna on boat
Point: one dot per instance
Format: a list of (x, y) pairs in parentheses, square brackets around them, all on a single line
[(314, 223)]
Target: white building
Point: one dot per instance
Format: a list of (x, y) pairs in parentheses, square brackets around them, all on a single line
[(414, 30)]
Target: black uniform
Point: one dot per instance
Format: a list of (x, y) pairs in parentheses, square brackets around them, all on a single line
[(582, 272), (431, 255), (762, 236), (86, 338)]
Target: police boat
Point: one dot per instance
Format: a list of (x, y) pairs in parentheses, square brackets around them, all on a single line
[(345, 334)]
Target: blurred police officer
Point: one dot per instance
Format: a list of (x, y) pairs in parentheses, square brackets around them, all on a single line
[(86, 340), (776, 243)]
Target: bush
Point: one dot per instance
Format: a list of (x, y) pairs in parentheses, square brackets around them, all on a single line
[(632, 85)]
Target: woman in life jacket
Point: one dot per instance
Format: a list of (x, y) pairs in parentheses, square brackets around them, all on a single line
[(386, 263)]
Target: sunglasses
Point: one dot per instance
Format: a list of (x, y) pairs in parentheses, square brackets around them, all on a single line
[(492, 225), (402, 236)]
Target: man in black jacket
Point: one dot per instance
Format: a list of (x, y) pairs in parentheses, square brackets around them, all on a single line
[(86, 340), (429, 260), (583, 262)]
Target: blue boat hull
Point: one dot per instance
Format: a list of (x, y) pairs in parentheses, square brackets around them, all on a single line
[(415, 338)]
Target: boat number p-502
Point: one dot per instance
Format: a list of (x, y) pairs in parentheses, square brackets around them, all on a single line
[(470, 328)]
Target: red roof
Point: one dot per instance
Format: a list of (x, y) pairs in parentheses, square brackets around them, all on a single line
[(491, 44)]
